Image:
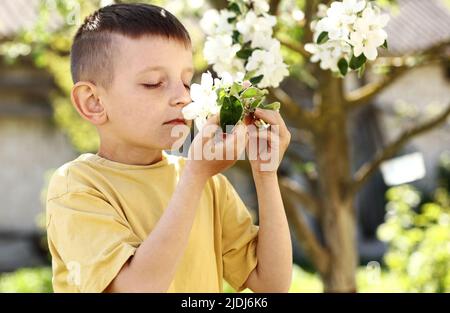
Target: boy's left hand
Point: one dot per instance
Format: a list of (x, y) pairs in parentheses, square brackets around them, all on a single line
[(266, 147)]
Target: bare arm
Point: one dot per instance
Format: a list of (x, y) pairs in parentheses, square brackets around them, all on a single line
[(274, 251)]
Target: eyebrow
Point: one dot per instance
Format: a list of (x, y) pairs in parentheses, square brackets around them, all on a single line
[(161, 68)]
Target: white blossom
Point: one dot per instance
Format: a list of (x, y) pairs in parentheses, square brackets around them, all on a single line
[(369, 33), (322, 10), (254, 27), (220, 49), (253, 24), (329, 53), (235, 68), (216, 23), (259, 6), (204, 101), (261, 40), (353, 27), (268, 63)]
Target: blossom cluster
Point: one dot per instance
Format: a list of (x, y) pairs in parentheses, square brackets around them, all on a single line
[(240, 42), (347, 34), (232, 100), (242, 51)]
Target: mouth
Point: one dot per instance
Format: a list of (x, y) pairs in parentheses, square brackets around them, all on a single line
[(177, 121)]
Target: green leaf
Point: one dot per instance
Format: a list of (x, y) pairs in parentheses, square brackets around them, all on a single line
[(235, 89), (343, 66), (253, 92), (357, 62), (234, 7), (385, 45), (361, 70), (255, 80), (244, 53), (236, 35), (222, 93), (323, 37), (271, 106), (230, 112), (257, 102)]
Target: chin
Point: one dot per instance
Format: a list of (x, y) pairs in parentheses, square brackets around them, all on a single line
[(175, 143)]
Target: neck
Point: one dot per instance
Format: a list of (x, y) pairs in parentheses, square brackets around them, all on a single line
[(132, 155)]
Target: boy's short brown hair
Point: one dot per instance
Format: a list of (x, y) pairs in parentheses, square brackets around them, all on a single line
[(92, 53)]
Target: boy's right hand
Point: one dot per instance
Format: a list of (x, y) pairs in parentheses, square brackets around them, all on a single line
[(210, 154)]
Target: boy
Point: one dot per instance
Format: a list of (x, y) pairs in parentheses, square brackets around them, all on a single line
[(132, 218)]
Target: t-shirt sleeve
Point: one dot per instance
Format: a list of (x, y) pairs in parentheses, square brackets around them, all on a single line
[(239, 238), (90, 238)]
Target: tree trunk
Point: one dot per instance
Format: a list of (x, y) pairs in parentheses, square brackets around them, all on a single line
[(337, 216), (339, 229), (337, 210)]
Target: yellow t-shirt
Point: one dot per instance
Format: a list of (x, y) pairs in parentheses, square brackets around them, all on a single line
[(99, 211)]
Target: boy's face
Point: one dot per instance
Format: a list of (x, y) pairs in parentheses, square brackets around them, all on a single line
[(151, 83)]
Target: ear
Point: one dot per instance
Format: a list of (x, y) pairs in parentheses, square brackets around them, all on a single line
[(85, 98)]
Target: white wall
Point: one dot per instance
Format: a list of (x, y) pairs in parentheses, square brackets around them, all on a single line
[(29, 147)]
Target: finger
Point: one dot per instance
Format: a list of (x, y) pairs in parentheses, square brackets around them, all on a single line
[(273, 118), (236, 142), (268, 116), (210, 127), (213, 120)]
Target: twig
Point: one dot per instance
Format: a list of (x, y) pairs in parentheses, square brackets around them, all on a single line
[(292, 45), (369, 168), (365, 94)]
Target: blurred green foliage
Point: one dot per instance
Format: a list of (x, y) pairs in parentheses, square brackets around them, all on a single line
[(418, 235), (27, 280), (38, 280)]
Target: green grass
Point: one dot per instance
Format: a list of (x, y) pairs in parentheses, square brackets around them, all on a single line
[(35, 280), (367, 280), (38, 280)]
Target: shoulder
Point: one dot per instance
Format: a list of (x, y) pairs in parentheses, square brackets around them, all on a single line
[(71, 176)]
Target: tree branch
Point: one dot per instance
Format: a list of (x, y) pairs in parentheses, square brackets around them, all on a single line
[(365, 94), (292, 45), (219, 4), (293, 110), (274, 4), (316, 252), (307, 200), (310, 8), (366, 170)]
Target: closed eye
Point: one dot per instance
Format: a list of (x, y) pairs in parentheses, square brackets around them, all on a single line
[(152, 86)]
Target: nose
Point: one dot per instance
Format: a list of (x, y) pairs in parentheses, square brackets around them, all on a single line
[(181, 95)]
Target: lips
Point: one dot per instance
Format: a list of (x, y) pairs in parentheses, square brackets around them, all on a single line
[(177, 121)]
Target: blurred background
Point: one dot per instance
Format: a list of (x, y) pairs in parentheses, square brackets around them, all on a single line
[(401, 207)]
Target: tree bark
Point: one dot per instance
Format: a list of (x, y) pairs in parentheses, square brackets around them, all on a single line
[(334, 173), (338, 218)]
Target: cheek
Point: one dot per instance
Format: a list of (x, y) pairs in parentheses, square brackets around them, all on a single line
[(135, 109)]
